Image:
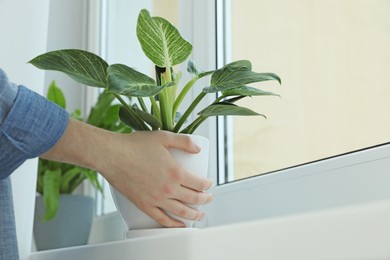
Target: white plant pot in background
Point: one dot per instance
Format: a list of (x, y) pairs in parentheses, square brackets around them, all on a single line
[(70, 227), (138, 223)]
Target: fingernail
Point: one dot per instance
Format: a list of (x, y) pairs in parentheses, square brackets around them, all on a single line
[(210, 198), (200, 216), (209, 184), (181, 225)]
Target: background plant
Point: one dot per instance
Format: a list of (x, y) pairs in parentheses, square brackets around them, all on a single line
[(55, 178), (164, 46)]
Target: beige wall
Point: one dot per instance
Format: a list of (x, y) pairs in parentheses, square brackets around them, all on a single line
[(333, 57), (168, 9)]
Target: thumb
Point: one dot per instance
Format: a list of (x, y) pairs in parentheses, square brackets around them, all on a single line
[(183, 142)]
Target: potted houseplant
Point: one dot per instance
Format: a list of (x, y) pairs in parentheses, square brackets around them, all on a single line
[(156, 101), (63, 218)]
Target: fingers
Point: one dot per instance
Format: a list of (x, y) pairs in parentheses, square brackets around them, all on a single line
[(174, 209), (162, 218), (183, 211), (195, 182), (193, 197), (182, 142), (190, 188)]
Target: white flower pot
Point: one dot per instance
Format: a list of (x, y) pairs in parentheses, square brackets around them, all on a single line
[(138, 221)]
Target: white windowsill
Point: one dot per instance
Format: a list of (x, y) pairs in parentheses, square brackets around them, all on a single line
[(358, 232)]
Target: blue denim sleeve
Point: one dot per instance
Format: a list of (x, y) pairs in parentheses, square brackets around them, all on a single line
[(8, 240), (8, 92), (29, 125)]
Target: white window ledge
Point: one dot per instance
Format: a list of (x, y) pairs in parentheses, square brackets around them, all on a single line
[(355, 232)]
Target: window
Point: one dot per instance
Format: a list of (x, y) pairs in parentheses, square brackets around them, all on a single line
[(332, 57)]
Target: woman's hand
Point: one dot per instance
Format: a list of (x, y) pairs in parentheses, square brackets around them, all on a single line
[(139, 166), (144, 171)]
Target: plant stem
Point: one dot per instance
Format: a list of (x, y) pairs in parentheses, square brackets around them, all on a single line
[(218, 99), (155, 109), (163, 112), (194, 125), (182, 94), (166, 120), (176, 79), (125, 105), (168, 74), (142, 104), (188, 111)]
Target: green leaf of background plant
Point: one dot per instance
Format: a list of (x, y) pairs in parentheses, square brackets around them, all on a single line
[(75, 182), (227, 109), (56, 95), (111, 118), (92, 177), (126, 81), (112, 122), (98, 112), (42, 168), (67, 178), (77, 115), (51, 192), (82, 66), (161, 41)]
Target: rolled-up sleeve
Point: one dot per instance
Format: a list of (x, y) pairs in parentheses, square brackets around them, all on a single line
[(29, 125)]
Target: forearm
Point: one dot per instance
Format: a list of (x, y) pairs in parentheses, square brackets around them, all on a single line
[(81, 144)]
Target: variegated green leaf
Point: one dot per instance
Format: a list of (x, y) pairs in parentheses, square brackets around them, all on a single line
[(194, 70), (239, 65), (82, 66), (227, 109), (150, 119), (247, 91), (227, 78), (161, 41), (126, 81), (132, 119)]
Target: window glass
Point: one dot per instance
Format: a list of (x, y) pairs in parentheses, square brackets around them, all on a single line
[(333, 58)]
